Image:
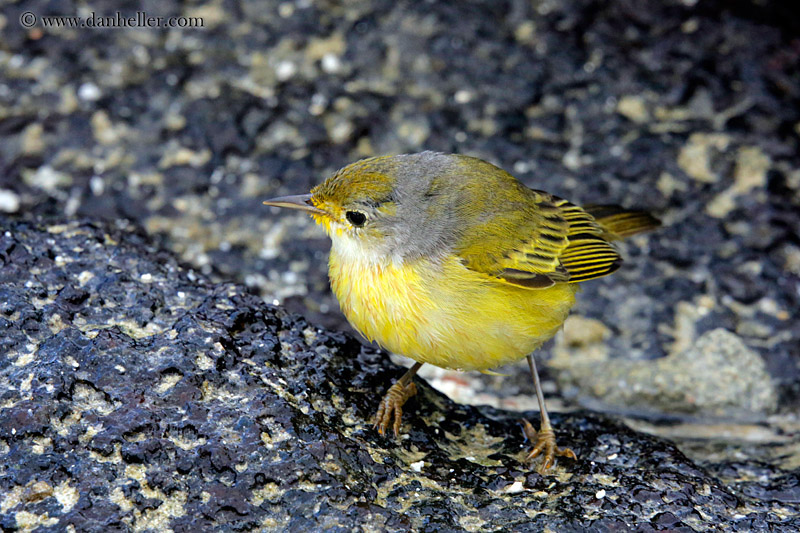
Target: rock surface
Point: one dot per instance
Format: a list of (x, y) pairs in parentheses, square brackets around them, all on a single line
[(208, 409), (690, 109), (717, 375)]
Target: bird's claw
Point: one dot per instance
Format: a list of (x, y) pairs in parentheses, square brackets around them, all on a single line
[(392, 404), (544, 443)]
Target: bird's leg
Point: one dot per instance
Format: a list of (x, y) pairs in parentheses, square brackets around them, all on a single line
[(544, 440), (393, 402)]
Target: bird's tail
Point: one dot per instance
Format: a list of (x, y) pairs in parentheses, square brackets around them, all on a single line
[(619, 222)]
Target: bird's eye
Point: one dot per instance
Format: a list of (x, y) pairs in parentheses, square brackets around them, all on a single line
[(356, 218)]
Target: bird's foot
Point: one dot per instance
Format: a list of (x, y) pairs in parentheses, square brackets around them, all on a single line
[(544, 443), (392, 403)]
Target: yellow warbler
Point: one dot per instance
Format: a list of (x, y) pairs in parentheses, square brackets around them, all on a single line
[(451, 261)]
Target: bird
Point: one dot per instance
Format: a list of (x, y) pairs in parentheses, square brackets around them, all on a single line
[(451, 261)]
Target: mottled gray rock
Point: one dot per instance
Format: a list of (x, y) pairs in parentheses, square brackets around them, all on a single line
[(138, 396), (718, 375)]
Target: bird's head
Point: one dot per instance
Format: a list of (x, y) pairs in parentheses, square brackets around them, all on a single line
[(382, 206)]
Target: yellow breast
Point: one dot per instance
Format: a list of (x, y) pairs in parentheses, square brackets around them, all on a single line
[(441, 313)]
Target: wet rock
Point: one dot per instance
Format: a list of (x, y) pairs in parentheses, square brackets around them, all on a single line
[(140, 395)]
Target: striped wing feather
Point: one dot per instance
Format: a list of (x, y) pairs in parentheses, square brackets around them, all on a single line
[(558, 242), (561, 243), (588, 255), (535, 262)]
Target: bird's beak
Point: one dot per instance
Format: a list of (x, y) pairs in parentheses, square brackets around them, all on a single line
[(297, 201)]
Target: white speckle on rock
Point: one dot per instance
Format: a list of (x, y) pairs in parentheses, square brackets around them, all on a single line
[(331, 63), (600, 494), (286, 9), (285, 70), (521, 167), (463, 96), (695, 158), (89, 92), (47, 178), (16, 61), (84, 277), (633, 107), (572, 159), (9, 201), (67, 496), (97, 185), (417, 467), (26, 383), (515, 488), (146, 278)]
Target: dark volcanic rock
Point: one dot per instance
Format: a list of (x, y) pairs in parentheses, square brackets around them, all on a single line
[(689, 109), (138, 395)]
